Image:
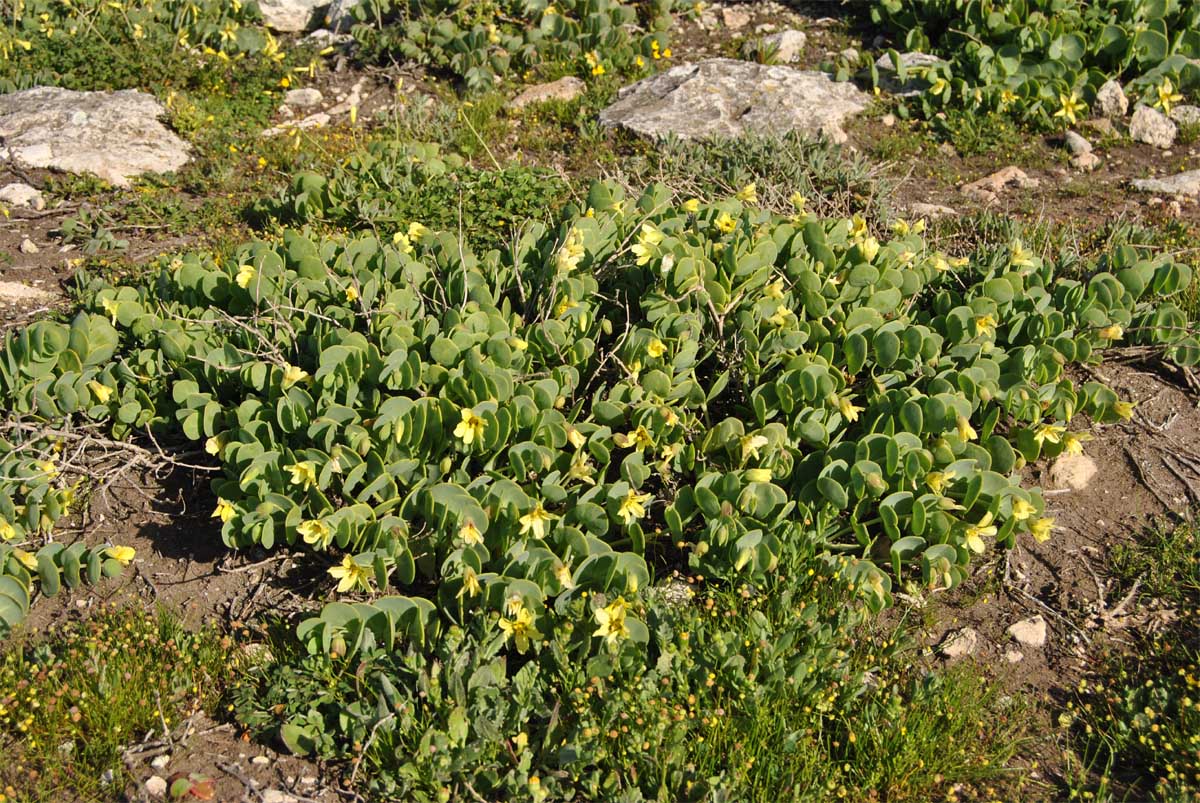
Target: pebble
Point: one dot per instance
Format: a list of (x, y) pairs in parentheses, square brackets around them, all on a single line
[(888, 120), (1014, 656), (960, 643), (260, 761), (1076, 144), (18, 194), (735, 18), (277, 796), (1072, 471), (156, 786), (27, 247), (158, 762), (1152, 127), (1086, 162), (1029, 632), (307, 96)]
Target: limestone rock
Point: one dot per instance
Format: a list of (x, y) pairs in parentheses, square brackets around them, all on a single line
[(17, 293), (1111, 101), (1076, 144), (340, 16), (1072, 471), (1186, 115), (158, 762), (789, 45), (988, 188), (290, 15), (1087, 162), (1187, 183), (1029, 632), (1152, 127), (915, 64), (724, 97), (1014, 656), (318, 120), (735, 18), (277, 796), (960, 643), (114, 135), (932, 211), (156, 786), (28, 246), (22, 195), (303, 98), (565, 89)]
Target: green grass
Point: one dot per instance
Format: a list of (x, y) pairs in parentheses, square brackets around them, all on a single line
[(71, 700)]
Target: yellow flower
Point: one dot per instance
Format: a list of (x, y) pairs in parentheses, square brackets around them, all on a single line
[(870, 248), (470, 428), (215, 445), (799, 203), (292, 374), (638, 439), (611, 619), (985, 324), (691, 206), (121, 554), (316, 533), (401, 241), (748, 194), (647, 243), (25, 559), (581, 469), (469, 534), (47, 468), (1073, 442), (7, 531), (1123, 409), (633, 507), (976, 533), (110, 307), (1112, 332), (350, 574), (1021, 509), (758, 475), (939, 86), (351, 294), (1070, 107), (520, 628), (849, 410), (655, 348), (965, 430), (576, 438), (535, 521), (416, 231), (1048, 433), (245, 275), (936, 481), (1041, 529), (858, 227), (1019, 256), (1007, 97), (562, 573), (304, 473), (725, 223), (471, 586), (572, 251), (750, 446), (224, 511), (1166, 95), (774, 290), (102, 392)]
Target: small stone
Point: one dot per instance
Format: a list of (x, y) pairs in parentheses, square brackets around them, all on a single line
[(27, 246), (1029, 632), (932, 211), (106, 778), (1151, 127), (277, 796), (1111, 101), (946, 149), (988, 188), (789, 45), (156, 786), (960, 643), (1072, 471), (261, 761), (290, 16), (318, 120), (1014, 656), (888, 120), (1185, 184), (1186, 115), (1077, 144), (308, 780), (304, 97), (1101, 125), (850, 54), (158, 762), (1087, 162), (735, 18), (22, 195), (564, 89)]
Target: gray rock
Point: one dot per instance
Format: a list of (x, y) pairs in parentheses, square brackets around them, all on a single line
[(850, 54), (565, 89), (723, 97), (1029, 632), (323, 37), (1077, 144), (789, 45), (1186, 115), (1187, 183), (1072, 471), (960, 643), (1111, 101), (114, 135), (156, 786), (291, 15), (27, 246), (340, 16), (1014, 656), (22, 195), (1087, 162), (303, 98), (1151, 127), (989, 187), (915, 65)]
